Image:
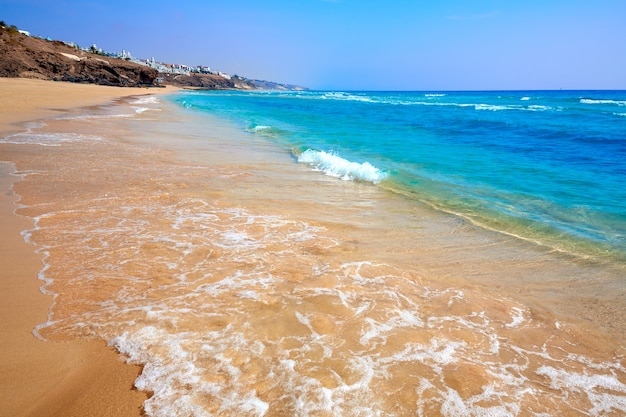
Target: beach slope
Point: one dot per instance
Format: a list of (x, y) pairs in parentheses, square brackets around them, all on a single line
[(74, 378)]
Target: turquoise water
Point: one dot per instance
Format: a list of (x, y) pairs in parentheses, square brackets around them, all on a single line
[(545, 166)]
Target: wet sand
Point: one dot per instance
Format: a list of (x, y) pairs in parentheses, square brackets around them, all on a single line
[(74, 378)]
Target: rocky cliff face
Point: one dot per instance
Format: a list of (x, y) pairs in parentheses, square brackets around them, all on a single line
[(27, 57)]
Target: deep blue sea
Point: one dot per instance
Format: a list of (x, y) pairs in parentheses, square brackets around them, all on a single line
[(545, 166)]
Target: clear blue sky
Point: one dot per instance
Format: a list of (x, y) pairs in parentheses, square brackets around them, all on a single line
[(357, 44)]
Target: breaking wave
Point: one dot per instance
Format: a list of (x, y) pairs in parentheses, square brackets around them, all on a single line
[(592, 101), (336, 166)]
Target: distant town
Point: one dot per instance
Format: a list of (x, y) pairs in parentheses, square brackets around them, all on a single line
[(162, 67)]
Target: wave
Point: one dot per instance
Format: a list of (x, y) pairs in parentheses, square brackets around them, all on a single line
[(139, 104), (348, 97), (592, 101), (335, 166), (265, 130), (140, 110), (492, 107), (146, 100), (261, 128), (538, 108), (476, 106), (414, 101)]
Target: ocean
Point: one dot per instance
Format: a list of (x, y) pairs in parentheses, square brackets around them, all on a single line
[(545, 166), (306, 253)]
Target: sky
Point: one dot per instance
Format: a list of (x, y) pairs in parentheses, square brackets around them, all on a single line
[(426, 45)]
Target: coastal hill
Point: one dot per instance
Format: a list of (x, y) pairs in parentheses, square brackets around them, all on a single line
[(218, 82), (24, 56)]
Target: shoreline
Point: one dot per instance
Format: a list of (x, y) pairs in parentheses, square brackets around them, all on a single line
[(73, 378), (158, 237)]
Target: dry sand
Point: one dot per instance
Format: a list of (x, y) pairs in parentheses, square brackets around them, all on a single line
[(77, 378)]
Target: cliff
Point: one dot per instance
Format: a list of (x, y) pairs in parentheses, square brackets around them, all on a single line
[(28, 57)]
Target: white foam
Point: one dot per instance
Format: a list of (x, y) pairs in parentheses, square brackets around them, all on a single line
[(233, 238), (146, 100), (86, 117), (594, 386), (454, 406), (47, 139), (518, 318), (477, 106), (335, 166), (491, 107), (235, 322), (592, 101), (538, 108), (458, 296), (252, 404), (494, 347), (439, 352), (140, 104), (398, 320), (261, 128), (347, 97)]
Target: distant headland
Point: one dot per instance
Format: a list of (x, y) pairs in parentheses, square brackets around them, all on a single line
[(26, 56)]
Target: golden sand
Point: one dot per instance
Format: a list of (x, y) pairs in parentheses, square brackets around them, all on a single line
[(76, 378)]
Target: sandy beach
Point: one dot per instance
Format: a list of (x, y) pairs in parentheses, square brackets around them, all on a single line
[(75, 378), (242, 283)]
